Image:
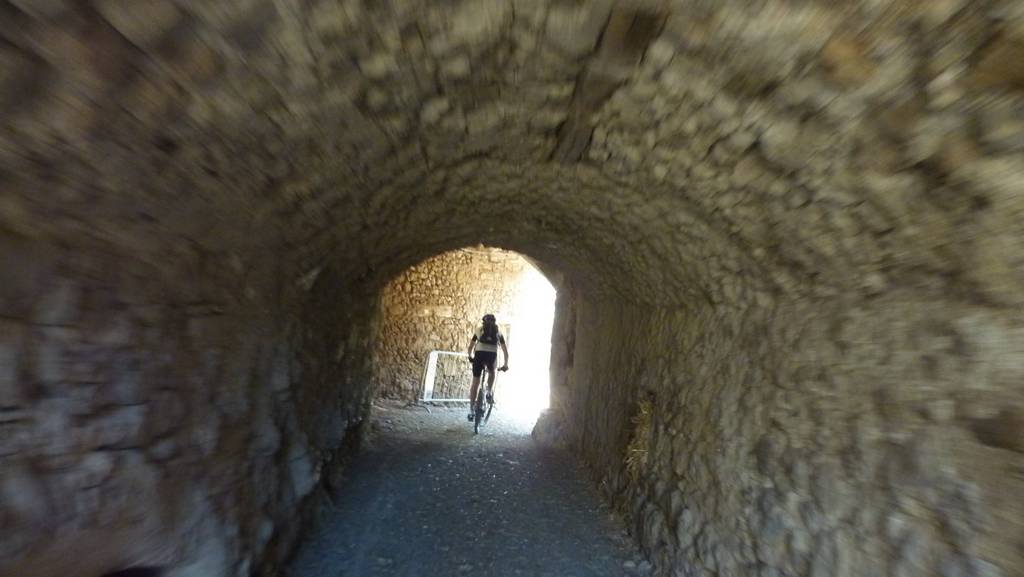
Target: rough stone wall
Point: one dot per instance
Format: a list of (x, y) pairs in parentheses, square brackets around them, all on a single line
[(436, 305), (700, 170), (168, 417), (563, 342), (847, 142), (837, 438)]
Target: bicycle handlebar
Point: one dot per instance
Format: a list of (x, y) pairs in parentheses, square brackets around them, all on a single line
[(502, 369)]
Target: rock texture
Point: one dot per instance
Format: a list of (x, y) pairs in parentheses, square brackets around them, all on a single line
[(171, 418), (795, 228), (852, 438), (436, 305)]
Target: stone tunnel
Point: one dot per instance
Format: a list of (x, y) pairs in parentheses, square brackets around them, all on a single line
[(789, 232)]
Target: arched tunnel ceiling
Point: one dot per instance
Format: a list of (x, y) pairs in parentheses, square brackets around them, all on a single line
[(660, 150)]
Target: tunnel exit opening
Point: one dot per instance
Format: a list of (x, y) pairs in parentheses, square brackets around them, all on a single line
[(527, 388), (430, 312)]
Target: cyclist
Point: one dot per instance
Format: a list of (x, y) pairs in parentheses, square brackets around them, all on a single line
[(485, 344)]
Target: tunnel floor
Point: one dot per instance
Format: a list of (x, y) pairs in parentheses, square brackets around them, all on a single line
[(426, 498)]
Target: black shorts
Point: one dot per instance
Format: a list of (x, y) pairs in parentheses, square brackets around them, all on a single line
[(482, 359)]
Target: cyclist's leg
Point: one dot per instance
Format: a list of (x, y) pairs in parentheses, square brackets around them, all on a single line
[(490, 383), (478, 368), (491, 363), (474, 388)]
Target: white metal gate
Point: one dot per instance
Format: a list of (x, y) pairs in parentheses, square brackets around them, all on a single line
[(431, 373)]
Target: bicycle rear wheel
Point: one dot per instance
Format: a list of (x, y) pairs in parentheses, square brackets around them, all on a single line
[(478, 402), (478, 412), (490, 407), (477, 408)]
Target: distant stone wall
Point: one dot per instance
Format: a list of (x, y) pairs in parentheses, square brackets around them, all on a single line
[(436, 305), (174, 417)]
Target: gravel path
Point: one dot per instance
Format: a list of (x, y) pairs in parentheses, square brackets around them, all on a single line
[(427, 498)]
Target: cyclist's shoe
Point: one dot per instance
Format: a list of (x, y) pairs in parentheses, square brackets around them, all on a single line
[(490, 398), (469, 417)]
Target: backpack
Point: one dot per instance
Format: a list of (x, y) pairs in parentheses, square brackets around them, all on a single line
[(491, 338)]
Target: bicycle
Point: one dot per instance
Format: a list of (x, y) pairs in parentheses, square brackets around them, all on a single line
[(479, 414)]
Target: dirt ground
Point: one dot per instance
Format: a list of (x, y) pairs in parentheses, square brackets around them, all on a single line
[(428, 498)]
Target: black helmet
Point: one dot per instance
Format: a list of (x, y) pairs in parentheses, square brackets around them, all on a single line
[(489, 318)]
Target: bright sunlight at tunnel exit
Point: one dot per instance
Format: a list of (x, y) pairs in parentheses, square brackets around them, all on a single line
[(431, 310), (527, 388)]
